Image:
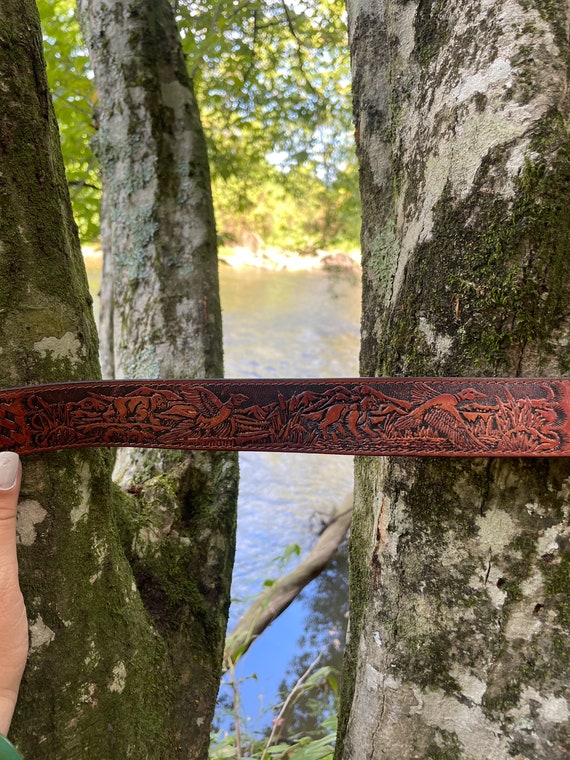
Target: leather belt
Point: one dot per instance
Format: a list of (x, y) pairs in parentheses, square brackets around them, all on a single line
[(362, 416)]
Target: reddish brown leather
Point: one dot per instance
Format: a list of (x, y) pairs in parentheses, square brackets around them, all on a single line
[(386, 416)]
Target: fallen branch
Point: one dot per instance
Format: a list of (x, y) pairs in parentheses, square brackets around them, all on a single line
[(267, 607)]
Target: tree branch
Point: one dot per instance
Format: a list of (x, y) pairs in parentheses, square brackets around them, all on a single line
[(269, 605)]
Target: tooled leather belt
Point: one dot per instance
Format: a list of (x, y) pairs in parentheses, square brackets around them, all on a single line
[(363, 416)]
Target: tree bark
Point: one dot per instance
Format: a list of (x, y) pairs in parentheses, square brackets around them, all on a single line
[(459, 607), (160, 241), (94, 685)]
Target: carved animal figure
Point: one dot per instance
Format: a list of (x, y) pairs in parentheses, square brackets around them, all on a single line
[(204, 406), (440, 413)]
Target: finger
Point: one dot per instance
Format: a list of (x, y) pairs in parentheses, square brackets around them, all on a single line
[(13, 623), (10, 476)]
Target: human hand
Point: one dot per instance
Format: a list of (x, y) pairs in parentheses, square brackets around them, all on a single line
[(13, 621)]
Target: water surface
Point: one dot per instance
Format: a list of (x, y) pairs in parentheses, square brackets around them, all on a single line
[(287, 324)]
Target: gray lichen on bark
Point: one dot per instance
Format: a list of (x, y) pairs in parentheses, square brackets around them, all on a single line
[(159, 225), (459, 614)]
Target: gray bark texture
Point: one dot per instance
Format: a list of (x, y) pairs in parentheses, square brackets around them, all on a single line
[(460, 615), (163, 319), (94, 684)]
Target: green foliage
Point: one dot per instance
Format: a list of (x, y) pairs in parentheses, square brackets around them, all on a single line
[(291, 550), (74, 96), (296, 211), (305, 748), (264, 69), (273, 82), (241, 746)]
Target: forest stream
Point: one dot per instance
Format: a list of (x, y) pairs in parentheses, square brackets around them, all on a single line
[(287, 324)]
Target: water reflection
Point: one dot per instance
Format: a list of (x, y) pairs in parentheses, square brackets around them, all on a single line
[(326, 605), (287, 324)]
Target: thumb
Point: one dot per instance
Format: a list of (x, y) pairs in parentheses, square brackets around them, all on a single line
[(10, 476), (13, 623)]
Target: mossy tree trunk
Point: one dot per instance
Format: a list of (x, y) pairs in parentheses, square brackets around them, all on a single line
[(94, 685), (460, 616), (105, 679), (160, 254)]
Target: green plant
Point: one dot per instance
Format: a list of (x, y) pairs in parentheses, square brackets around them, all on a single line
[(240, 745)]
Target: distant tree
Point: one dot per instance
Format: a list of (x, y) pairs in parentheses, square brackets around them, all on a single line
[(459, 630), (162, 311), (273, 81), (75, 102)]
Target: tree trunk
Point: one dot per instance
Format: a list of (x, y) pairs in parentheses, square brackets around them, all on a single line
[(459, 603), (94, 685), (160, 242)]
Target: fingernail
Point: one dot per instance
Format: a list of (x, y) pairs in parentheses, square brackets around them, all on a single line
[(9, 466)]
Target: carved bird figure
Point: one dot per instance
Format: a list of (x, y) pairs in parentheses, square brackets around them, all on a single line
[(439, 412), (206, 408)]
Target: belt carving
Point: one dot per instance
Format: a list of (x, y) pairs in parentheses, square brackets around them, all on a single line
[(362, 416)]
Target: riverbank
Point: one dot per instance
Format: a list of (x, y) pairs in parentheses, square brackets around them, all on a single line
[(278, 259), (267, 257)]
